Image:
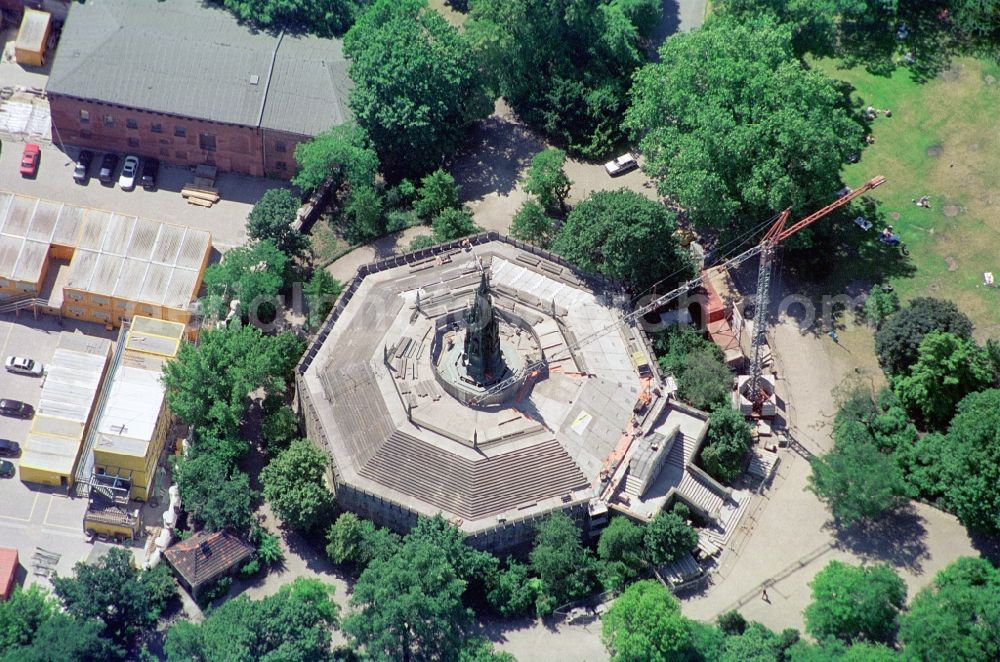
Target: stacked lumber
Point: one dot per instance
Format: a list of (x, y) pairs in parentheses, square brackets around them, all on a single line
[(203, 196)]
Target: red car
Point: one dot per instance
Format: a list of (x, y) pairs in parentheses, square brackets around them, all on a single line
[(29, 160)]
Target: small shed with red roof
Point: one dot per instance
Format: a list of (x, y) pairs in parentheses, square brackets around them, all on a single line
[(8, 571)]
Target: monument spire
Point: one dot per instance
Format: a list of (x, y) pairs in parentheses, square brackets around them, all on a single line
[(483, 358)]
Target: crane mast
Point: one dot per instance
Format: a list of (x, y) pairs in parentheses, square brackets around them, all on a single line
[(766, 248)]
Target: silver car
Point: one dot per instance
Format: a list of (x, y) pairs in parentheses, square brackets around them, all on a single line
[(129, 171), (624, 163)]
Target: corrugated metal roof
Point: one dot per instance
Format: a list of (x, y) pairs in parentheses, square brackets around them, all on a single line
[(72, 380), (189, 58), (154, 336), (53, 426), (122, 256), (52, 454)]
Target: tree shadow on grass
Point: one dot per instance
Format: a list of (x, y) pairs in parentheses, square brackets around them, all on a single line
[(897, 538), (873, 41)]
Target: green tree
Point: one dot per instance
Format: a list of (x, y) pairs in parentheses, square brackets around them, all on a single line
[(668, 537), (343, 154), (855, 479), (879, 305), (560, 560), (898, 340), (354, 540), (547, 180), (291, 626), (325, 18), (480, 649), (853, 602), (23, 613), (757, 644), (409, 606), (321, 293), (216, 496), (704, 380), (438, 192), (252, 274), (625, 237), (532, 225), (565, 65), (272, 217), (209, 384), (416, 87), (438, 532), (972, 461), (453, 224), (295, 485), (645, 625), (948, 368), (113, 592), (422, 241), (728, 442), (279, 428), (735, 128), (362, 218), (62, 638), (621, 552), (511, 591), (957, 617)]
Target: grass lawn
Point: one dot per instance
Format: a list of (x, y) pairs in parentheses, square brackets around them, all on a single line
[(941, 141)]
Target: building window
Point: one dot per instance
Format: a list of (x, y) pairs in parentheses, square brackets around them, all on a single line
[(75, 296), (99, 300), (281, 165), (133, 142), (84, 116), (109, 121), (86, 133), (279, 147), (156, 128), (180, 155), (131, 124), (207, 142), (180, 131), (73, 310), (100, 315)]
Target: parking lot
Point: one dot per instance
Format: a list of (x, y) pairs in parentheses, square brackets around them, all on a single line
[(226, 220), (35, 517)]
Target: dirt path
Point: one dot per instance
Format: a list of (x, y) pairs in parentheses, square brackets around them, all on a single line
[(789, 534)]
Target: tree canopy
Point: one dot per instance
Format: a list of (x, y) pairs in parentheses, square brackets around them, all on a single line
[(325, 18), (63, 638), (438, 192), (735, 128), (972, 461), (253, 274), (855, 479), (854, 602), (957, 617), (898, 340), (416, 84), (667, 537), (353, 540), (948, 367), (409, 606), (546, 179), (214, 495), (531, 224), (645, 625), (294, 485), (22, 614), (453, 224), (343, 154), (272, 217), (565, 65), (116, 594), (727, 444), (625, 237), (291, 626), (560, 561)]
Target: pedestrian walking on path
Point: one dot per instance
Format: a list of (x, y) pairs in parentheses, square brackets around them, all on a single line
[(764, 597)]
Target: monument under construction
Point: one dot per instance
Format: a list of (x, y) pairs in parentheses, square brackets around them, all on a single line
[(488, 381)]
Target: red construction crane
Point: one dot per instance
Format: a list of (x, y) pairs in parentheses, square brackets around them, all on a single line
[(775, 235)]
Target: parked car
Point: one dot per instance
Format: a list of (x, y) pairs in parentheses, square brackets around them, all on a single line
[(23, 366), (16, 408), (150, 171), (9, 448), (108, 165), (624, 163), (6, 469), (129, 171), (82, 171), (29, 160)]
